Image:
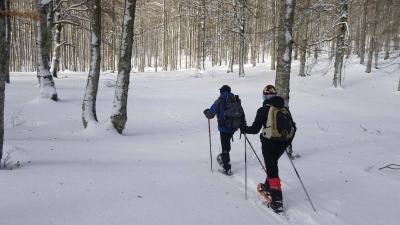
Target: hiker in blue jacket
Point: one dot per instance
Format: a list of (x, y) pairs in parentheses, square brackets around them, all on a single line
[(226, 129)]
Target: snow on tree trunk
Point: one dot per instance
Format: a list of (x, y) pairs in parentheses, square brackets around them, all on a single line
[(165, 33), (398, 87), (373, 40), (242, 37), (55, 61), (8, 40), (89, 100), (284, 50), (254, 47), (46, 82), (203, 38), (273, 41), (119, 115), (3, 72), (341, 44)]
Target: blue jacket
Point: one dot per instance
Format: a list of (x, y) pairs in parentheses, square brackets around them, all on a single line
[(219, 112)]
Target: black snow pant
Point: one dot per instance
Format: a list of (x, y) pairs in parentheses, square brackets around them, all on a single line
[(272, 151), (226, 148)]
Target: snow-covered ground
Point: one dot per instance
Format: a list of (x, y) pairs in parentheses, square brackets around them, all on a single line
[(158, 171)]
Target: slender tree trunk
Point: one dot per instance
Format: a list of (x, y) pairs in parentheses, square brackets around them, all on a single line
[(203, 29), (296, 46), (363, 32), (47, 86), (341, 45), (180, 34), (156, 57), (119, 115), (373, 40), (304, 42), (274, 36), (232, 54), (357, 39), (242, 37), (254, 49), (388, 27), (8, 41), (396, 26), (89, 100), (284, 50), (3, 72), (165, 33), (398, 86), (55, 62)]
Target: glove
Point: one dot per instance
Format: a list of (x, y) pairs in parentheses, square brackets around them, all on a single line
[(207, 113), (243, 129)]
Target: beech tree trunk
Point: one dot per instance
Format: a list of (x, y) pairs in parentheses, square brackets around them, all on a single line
[(274, 32), (373, 40), (8, 40), (119, 115), (3, 72), (46, 82), (284, 50), (341, 45), (89, 100), (363, 31), (55, 62), (241, 37), (304, 42)]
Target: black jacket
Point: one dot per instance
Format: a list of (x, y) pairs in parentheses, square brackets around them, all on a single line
[(262, 114)]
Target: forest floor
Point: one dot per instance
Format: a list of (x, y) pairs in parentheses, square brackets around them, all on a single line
[(158, 171)]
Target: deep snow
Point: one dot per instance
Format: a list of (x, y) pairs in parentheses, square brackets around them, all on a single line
[(158, 172)]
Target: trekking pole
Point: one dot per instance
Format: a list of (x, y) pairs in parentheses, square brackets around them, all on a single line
[(301, 182), (258, 158), (245, 170), (209, 138)]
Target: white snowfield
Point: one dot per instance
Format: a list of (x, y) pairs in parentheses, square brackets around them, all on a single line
[(158, 171)]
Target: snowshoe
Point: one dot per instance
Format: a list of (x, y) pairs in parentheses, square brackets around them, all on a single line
[(225, 172), (264, 192)]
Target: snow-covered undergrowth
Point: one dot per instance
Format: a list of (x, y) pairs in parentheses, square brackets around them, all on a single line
[(158, 171)]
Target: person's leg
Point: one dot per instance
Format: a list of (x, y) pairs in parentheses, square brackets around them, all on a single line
[(272, 151), (226, 148)]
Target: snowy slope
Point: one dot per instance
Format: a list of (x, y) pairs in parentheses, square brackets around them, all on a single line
[(158, 171)]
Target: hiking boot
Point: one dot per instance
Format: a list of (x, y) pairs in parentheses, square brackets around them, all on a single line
[(219, 160), (227, 172), (226, 167), (276, 203)]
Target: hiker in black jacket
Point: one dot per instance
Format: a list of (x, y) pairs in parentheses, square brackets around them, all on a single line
[(271, 149)]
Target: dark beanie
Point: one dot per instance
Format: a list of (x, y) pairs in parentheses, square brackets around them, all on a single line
[(225, 88)]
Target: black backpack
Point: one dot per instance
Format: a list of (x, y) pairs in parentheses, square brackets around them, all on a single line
[(233, 112)]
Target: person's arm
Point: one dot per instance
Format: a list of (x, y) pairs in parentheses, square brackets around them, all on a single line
[(212, 111), (258, 122)]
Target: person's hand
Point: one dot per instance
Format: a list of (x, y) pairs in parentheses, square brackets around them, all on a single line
[(243, 129), (207, 113)]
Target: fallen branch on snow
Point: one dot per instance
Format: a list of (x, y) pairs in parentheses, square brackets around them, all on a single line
[(391, 166)]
